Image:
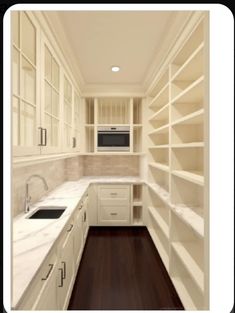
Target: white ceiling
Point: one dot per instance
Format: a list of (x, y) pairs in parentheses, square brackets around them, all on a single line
[(132, 40)]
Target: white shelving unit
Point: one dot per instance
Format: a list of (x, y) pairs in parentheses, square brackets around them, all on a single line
[(137, 205), (178, 167), (113, 111)]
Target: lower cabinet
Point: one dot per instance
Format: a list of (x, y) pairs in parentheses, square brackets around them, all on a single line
[(65, 266), (114, 205), (78, 236), (47, 298)]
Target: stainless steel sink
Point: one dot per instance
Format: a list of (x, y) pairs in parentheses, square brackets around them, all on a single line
[(48, 212)]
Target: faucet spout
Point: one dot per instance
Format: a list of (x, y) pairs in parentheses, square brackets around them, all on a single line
[(27, 197)]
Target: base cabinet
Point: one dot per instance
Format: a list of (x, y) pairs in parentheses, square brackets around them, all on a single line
[(47, 299), (65, 267), (114, 205)]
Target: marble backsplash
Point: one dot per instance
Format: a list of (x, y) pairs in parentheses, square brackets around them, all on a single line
[(70, 169), (52, 171), (113, 165)]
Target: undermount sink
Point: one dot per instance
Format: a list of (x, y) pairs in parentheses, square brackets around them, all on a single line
[(48, 212)]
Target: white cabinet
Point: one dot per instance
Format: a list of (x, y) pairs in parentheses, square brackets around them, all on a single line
[(65, 266), (78, 236), (47, 299), (25, 82), (85, 224), (114, 205), (45, 103), (42, 293)]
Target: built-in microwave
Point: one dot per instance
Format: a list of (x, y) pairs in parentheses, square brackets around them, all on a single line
[(113, 138)]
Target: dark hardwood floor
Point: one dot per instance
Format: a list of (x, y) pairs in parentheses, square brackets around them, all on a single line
[(121, 270)]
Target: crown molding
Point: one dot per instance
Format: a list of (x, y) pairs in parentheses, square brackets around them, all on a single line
[(113, 90)]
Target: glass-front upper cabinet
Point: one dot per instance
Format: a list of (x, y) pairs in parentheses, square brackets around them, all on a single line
[(25, 80), (76, 122), (51, 104), (68, 113)]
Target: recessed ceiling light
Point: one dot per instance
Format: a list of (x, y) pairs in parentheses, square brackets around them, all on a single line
[(115, 68)]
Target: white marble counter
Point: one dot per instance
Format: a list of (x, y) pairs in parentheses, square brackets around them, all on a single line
[(34, 238)]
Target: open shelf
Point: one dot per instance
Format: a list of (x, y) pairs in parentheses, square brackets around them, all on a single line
[(90, 111), (188, 145), (158, 147), (137, 139), (137, 215), (182, 289), (161, 192), (188, 91), (161, 118), (161, 83), (192, 176), (185, 251), (113, 111), (191, 119), (137, 204), (89, 135), (189, 292), (159, 220), (192, 216), (161, 99), (187, 134), (192, 68), (137, 111), (161, 130), (160, 156), (188, 164), (160, 166), (160, 243)]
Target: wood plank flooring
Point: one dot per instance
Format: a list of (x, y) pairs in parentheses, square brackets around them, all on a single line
[(121, 270)]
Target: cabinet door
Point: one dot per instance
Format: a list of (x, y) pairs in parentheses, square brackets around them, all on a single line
[(68, 114), (76, 123), (85, 224), (25, 84), (66, 268), (51, 115), (47, 299), (78, 237)]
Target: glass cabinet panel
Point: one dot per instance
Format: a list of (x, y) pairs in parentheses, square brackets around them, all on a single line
[(28, 38), (28, 117), (25, 105), (16, 28), (67, 113), (16, 72), (51, 99), (28, 81)]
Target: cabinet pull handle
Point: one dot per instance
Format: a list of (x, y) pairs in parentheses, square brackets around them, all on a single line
[(71, 226), (47, 275), (64, 270), (45, 136), (113, 213), (84, 217), (41, 130), (74, 142), (61, 277), (113, 193)]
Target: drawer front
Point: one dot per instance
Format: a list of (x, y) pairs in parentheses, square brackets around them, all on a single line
[(114, 214), (118, 192)]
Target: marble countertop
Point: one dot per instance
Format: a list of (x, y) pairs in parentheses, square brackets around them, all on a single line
[(34, 238)]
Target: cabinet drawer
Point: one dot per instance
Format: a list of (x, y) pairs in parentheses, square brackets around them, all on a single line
[(117, 214), (120, 192)]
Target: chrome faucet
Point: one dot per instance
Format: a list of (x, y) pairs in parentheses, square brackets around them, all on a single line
[(27, 197)]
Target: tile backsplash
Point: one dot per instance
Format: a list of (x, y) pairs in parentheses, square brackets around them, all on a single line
[(111, 165), (53, 172), (56, 172)]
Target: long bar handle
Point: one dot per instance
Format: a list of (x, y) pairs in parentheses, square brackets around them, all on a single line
[(47, 275)]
